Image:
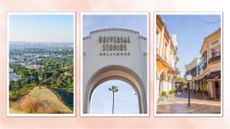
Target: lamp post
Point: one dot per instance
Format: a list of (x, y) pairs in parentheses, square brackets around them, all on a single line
[(189, 78)]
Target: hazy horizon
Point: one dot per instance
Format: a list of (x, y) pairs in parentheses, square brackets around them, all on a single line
[(40, 42), (41, 28)]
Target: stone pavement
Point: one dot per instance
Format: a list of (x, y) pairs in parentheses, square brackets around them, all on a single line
[(178, 105)]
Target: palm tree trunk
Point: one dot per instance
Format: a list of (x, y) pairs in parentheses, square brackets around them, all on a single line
[(113, 104)]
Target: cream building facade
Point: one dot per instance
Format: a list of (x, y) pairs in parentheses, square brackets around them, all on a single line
[(209, 78), (166, 57)]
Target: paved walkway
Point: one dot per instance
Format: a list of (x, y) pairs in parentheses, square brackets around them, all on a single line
[(178, 104)]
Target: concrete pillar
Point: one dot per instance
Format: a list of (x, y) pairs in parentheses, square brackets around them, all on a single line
[(158, 86), (210, 89), (167, 86), (214, 90)]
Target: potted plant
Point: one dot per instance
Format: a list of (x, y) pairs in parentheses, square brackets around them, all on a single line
[(163, 95), (171, 93)]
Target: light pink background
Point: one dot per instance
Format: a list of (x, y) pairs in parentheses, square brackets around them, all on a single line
[(110, 5)]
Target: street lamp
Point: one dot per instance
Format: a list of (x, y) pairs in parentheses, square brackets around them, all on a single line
[(189, 78)]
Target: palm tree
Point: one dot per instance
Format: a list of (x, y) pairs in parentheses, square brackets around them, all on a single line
[(113, 89)]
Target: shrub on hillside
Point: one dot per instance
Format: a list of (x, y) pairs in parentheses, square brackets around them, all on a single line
[(30, 104), (14, 95), (34, 105)]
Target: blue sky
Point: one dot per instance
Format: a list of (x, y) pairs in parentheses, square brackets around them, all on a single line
[(126, 101), (191, 31), (41, 28), (134, 22)]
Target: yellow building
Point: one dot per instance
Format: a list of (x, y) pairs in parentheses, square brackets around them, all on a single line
[(209, 78), (166, 56)]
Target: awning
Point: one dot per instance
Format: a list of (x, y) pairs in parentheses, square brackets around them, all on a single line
[(214, 75)]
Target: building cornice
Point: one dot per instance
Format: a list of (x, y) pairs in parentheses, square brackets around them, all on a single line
[(115, 29), (167, 34), (206, 38)]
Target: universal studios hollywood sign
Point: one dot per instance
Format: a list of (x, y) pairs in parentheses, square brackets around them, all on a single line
[(114, 45)]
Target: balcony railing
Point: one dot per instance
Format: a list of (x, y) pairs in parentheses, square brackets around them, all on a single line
[(213, 59)]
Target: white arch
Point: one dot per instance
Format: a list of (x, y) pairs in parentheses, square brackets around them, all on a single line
[(163, 71), (120, 73)]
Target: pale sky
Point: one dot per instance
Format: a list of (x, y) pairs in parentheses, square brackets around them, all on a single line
[(126, 101), (135, 22), (41, 28)]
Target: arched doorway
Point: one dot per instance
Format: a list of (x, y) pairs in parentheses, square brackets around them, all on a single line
[(162, 83), (119, 73), (124, 101)]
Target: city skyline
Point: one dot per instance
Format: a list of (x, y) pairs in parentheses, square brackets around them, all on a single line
[(41, 64)]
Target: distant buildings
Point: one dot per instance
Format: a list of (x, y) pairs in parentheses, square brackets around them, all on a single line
[(207, 73), (13, 76), (192, 68), (166, 55), (30, 55)]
